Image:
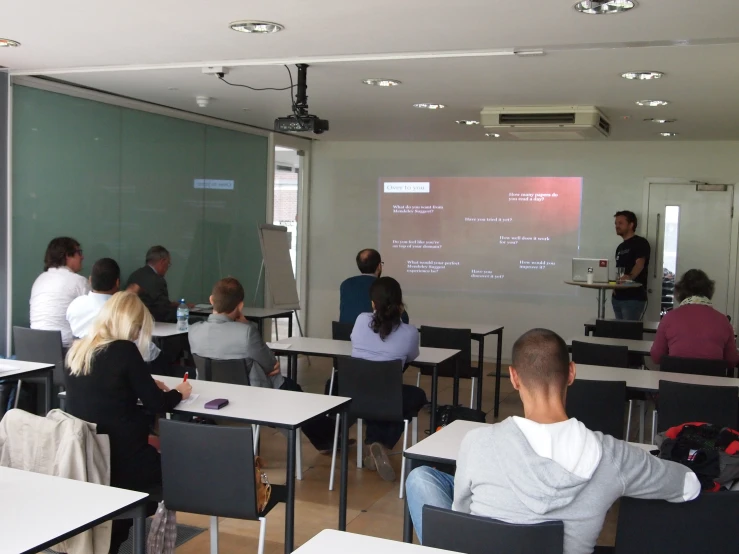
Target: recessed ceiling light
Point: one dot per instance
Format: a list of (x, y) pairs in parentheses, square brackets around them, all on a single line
[(430, 106), (9, 43), (653, 120), (467, 122), (668, 134), (604, 7), (642, 75), (492, 135), (382, 82), (652, 103), (259, 27)]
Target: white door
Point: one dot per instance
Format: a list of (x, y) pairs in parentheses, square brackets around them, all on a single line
[(688, 227)]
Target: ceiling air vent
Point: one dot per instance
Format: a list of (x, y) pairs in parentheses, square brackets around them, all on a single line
[(546, 122)]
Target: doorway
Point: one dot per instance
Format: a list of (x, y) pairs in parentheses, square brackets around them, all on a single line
[(689, 226)]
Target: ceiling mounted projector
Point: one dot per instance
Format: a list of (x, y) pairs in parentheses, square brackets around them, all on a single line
[(301, 121), (546, 122)]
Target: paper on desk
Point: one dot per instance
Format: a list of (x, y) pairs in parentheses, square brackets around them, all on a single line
[(190, 400), (278, 345)]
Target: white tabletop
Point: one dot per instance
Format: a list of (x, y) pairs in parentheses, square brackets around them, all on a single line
[(648, 380), (166, 330), (604, 286), (649, 326), (256, 404), (333, 348), (479, 329), (40, 508), (10, 368), (330, 541), (635, 346), (265, 313)]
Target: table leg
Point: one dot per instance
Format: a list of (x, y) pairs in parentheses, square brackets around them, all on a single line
[(292, 367), (407, 522), (434, 383), (290, 325), (496, 407), (601, 304), (139, 535), (344, 469), (455, 386), (290, 482), (480, 373), (260, 327), (48, 388)]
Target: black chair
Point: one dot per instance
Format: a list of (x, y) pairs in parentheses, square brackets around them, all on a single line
[(35, 345), (706, 524), (459, 532), (588, 353), (454, 339), (235, 372), (599, 405), (339, 331), (619, 329), (209, 470), (376, 390), (697, 366), (682, 403)]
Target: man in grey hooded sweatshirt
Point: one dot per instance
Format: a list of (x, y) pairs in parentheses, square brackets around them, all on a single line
[(545, 466)]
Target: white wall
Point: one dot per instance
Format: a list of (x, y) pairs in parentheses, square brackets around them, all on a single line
[(344, 204)]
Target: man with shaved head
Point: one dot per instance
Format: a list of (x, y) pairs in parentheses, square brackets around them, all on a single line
[(545, 466), (354, 292)]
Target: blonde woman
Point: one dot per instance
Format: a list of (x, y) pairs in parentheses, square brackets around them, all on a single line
[(107, 377)]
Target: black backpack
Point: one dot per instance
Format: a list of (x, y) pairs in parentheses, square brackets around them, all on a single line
[(446, 414)]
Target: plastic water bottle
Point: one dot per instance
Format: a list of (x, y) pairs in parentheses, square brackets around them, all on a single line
[(183, 315)]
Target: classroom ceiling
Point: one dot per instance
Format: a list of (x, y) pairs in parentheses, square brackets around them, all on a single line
[(456, 53)]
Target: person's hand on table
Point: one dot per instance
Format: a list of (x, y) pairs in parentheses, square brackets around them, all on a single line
[(275, 370), (161, 385), (184, 389)]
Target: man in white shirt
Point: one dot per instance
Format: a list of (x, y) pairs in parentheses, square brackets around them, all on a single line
[(57, 286)]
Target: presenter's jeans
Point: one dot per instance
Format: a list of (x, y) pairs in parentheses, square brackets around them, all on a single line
[(426, 485), (631, 310)]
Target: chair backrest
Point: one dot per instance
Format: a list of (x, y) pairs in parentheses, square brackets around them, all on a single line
[(376, 388), (619, 329), (682, 403), (35, 345), (208, 469), (599, 405), (706, 524), (600, 354), (460, 532), (341, 331), (235, 372), (716, 368), (454, 339)]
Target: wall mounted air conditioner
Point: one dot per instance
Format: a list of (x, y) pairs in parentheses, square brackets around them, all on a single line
[(546, 122)]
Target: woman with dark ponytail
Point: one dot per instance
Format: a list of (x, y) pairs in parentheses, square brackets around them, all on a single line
[(382, 336)]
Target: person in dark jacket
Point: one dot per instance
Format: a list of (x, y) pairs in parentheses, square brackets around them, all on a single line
[(154, 292)]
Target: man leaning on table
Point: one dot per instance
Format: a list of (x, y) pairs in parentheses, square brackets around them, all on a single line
[(545, 466)]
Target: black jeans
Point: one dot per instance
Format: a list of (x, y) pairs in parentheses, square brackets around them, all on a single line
[(387, 433), (320, 429)]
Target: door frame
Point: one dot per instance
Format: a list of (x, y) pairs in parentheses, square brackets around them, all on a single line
[(731, 287)]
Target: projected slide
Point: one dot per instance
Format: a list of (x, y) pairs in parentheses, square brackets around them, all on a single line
[(497, 234)]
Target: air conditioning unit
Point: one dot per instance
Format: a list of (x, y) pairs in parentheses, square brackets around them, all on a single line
[(546, 122)]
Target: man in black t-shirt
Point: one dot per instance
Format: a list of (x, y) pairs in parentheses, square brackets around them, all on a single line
[(633, 256)]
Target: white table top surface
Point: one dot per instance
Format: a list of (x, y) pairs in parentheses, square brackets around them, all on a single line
[(648, 380), (166, 330), (329, 347), (330, 541), (256, 404), (39, 508), (635, 346), (607, 286), (649, 326), (481, 329), (444, 444), (264, 313), (10, 368)]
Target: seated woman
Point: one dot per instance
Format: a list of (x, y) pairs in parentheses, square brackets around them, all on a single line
[(107, 377), (382, 336), (695, 329)]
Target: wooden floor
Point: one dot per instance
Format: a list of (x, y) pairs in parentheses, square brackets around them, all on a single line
[(373, 504)]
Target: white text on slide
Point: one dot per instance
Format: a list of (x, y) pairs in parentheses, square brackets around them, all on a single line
[(488, 219), (401, 209), (518, 239), (541, 264), (485, 274), (415, 266), (407, 188), (417, 244), (530, 196)]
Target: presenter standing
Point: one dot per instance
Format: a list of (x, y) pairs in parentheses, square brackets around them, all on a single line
[(632, 263)]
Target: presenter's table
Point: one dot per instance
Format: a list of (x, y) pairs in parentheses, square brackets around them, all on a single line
[(328, 348), (39, 511), (602, 288)]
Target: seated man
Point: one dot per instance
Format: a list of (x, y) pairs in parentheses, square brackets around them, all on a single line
[(105, 281), (544, 466), (154, 293), (57, 286), (227, 335), (354, 293)]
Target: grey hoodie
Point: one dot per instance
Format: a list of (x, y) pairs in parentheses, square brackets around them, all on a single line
[(500, 475)]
